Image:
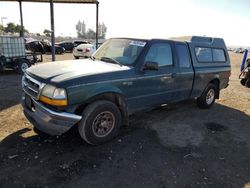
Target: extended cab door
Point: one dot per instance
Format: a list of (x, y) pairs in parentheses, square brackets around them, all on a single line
[(185, 73)]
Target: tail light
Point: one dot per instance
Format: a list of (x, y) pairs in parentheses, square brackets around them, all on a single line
[(87, 50)]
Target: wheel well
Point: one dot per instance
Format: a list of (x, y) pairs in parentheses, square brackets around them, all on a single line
[(113, 97), (216, 82)]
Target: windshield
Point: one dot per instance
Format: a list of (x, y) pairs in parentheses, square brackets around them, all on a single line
[(124, 51)]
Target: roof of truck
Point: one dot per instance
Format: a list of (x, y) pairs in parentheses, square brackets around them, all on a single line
[(202, 41), (197, 39), (192, 40)]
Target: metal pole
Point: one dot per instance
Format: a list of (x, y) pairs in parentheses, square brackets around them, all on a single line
[(21, 17), (97, 17), (52, 29)]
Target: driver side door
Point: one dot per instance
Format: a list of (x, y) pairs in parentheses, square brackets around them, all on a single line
[(155, 87)]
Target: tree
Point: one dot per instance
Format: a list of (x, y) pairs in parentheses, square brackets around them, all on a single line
[(10, 28), (13, 28), (47, 32), (102, 29), (81, 29), (90, 34), (1, 28)]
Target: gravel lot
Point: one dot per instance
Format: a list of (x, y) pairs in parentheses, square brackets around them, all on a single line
[(176, 146)]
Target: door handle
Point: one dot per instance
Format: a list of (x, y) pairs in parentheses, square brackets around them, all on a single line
[(173, 75)]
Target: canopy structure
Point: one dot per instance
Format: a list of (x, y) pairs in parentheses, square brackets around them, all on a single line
[(57, 1), (52, 16)]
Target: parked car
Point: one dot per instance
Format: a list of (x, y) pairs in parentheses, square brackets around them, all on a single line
[(99, 44), (83, 50), (124, 76), (68, 46), (239, 50), (43, 47), (78, 42)]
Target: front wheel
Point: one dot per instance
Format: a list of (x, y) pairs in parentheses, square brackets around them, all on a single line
[(206, 100), (100, 122), (23, 64), (76, 57), (40, 133)]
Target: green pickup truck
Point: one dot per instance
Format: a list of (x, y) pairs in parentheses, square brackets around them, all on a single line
[(122, 77)]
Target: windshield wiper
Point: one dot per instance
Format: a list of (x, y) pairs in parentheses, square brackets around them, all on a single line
[(110, 60)]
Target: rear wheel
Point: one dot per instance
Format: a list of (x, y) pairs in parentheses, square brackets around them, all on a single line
[(206, 100), (22, 65), (76, 57), (100, 122)]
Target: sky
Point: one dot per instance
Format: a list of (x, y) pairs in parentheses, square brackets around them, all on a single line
[(228, 19)]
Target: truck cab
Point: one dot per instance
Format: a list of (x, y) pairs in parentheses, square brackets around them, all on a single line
[(122, 77)]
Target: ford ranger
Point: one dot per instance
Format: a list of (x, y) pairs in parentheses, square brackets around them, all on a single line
[(122, 77)]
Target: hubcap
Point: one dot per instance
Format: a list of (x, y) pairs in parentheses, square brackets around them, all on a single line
[(24, 66), (210, 96), (103, 124)]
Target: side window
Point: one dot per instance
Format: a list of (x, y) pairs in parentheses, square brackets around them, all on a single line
[(160, 53), (219, 55), (204, 54), (183, 55)]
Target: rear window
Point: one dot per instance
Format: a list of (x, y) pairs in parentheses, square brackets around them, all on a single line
[(204, 54), (210, 55), (219, 55)]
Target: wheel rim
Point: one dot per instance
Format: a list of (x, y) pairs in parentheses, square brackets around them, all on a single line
[(24, 66), (210, 96), (103, 124)]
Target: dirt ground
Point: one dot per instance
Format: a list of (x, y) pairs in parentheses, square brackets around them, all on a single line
[(176, 146)]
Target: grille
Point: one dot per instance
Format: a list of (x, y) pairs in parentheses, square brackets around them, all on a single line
[(31, 86)]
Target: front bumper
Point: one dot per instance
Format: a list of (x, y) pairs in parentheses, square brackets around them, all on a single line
[(46, 120)]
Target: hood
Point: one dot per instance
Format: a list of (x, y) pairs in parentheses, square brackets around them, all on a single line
[(66, 70)]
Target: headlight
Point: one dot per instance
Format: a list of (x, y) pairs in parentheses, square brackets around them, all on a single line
[(54, 96), (48, 91), (59, 94)]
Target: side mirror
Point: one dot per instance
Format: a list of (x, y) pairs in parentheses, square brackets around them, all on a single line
[(150, 65)]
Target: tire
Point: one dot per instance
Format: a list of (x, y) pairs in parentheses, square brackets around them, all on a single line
[(243, 81), (90, 127), (76, 57), (22, 65), (59, 51), (248, 83), (206, 100)]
